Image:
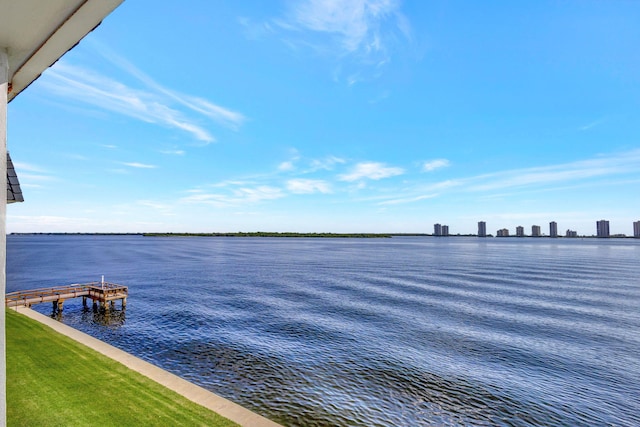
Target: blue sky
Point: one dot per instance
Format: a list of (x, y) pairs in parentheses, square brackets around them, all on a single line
[(340, 116)]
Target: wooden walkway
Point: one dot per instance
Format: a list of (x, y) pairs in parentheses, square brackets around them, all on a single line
[(103, 294)]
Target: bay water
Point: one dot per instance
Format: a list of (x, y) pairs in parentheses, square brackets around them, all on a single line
[(406, 331)]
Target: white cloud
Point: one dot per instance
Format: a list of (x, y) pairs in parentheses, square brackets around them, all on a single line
[(235, 196), (224, 116), (152, 103), (592, 124), (355, 23), (432, 165), (308, 186), (139, 165), (77, 157), (173, 152), (253, 30), (262, 192), (327, 163), (290, 164), (21, 166), (286, 166), (545, 175), (362, 35), (610, 170), (371, 170), (408, 199), (30, 175), (215, 112), (165, 209), (86, 86), (26, 177)]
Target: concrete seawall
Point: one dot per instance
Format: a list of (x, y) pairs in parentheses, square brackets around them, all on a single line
[(197, 394)]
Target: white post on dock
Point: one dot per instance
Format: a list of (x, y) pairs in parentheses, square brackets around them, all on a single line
[(102, 282)]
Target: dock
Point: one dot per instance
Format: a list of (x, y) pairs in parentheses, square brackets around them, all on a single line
[(103, 295)]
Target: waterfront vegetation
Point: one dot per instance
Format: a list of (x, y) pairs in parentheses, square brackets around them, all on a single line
[(272, 234), (55, 381)]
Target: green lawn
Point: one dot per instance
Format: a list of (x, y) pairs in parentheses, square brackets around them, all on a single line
[(55, 381)]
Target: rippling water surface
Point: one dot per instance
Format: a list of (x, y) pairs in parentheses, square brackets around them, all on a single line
[(370, 332)]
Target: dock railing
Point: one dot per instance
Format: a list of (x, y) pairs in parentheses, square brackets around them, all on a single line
[(100, 292)]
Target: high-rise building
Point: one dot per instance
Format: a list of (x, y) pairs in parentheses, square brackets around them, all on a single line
[(437, 230), (553, 229), (535, 231), (445, 230), (602, 228), (504, 232), (520, 231), (571, 233), (482, 229), (636, 229)]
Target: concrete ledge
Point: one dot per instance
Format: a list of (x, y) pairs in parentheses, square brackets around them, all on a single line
[(195, 393)]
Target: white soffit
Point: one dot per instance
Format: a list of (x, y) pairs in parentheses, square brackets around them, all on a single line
[(36, 33)]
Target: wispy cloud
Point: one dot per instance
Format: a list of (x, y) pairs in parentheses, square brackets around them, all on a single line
[(26, 177), (28, 167), (432, 165), (286, 166), (308, 186), (407, 200), (150, 102), (173, 152), (561, 173), (235, 196), (356, 24), (75, 156), (414, 188), (165, 209), (290, 165), (597, 172), (365, 31), (592, 124), (327, 163), (32, 176), (254, 30), (215, 112), (371, 170), (92, 88), (139, 165)]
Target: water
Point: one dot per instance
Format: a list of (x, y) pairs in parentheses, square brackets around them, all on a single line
[(370, 332)]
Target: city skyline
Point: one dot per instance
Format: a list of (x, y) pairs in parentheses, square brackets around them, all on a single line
[(307, 117), (602, 229)]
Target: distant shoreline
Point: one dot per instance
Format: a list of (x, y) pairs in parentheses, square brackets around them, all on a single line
[(313, 235)]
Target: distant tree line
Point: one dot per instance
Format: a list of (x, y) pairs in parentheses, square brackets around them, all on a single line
[(272, 234)]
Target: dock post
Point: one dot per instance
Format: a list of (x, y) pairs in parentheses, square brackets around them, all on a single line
[(55, 306), (61, 305), (124, 303), (84, 302)]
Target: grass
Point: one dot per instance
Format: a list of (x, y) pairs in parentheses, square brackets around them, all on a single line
[(55, 381)]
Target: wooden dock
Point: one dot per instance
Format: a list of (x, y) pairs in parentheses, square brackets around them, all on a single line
[(103, 294)]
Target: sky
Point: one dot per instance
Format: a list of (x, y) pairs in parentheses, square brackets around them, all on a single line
[(336, 116)]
